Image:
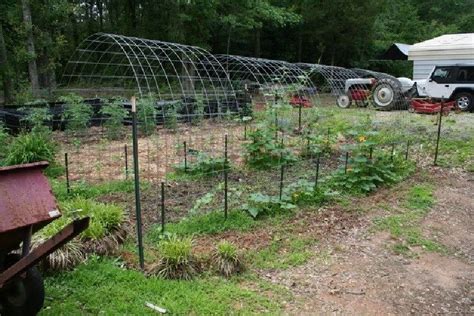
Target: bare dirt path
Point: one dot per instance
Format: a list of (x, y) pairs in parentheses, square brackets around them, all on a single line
[(355, 272)]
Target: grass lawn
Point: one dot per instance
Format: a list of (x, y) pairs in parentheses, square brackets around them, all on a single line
[(101, 286)]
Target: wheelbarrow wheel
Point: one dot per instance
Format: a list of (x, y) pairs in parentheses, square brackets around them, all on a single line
[(24, 296)]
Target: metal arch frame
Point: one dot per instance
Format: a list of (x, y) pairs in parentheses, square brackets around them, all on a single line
[(264, 72), (147, 64)]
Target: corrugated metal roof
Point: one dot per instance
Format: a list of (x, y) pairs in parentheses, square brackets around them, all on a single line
[(449, 46)]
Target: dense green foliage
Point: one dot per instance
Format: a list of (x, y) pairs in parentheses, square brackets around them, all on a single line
[(30, 147), (115, 115), (345, 32)]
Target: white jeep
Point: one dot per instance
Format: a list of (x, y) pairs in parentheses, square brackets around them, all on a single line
[(455, 83)]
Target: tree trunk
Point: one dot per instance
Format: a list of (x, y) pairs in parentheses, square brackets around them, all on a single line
[(32, 68), (257, 43), (4, 70), (132, 11), (300, 44), (100, 9)]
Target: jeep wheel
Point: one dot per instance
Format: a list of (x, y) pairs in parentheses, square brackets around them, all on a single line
[(464, 101), (343, 101)]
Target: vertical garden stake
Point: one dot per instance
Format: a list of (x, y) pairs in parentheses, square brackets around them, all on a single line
[(245, 131), (185, 157), (299, 118), (226, 175), (408, 147), (125, 149), (276, 126), (439, 132), (317, 171), (138, 209), (393, 152), (371, 152), (66, 162), (345, 164), (282, 171), (162, 207)]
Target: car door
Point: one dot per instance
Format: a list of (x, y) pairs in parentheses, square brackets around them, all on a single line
[(440, 83)]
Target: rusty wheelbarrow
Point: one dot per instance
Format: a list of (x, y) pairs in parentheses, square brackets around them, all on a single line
[(26, 205)]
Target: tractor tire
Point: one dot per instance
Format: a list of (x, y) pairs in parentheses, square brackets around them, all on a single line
[(386, 94), (463, 101), (343, 101), (22, 296)]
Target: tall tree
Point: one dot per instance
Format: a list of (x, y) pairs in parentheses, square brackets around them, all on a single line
[(30, 44)]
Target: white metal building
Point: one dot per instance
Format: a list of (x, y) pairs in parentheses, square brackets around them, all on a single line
[(447, 49)]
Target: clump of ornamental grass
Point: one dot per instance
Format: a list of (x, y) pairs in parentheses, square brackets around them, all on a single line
[(106, 231), (67, 256), (226, 259), (176, 259)]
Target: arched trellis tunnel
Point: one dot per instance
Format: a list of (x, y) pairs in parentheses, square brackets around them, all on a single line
[(190, 76), (172, 73)]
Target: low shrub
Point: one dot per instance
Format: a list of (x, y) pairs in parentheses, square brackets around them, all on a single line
[(176, 259), (304, 192), (115, 115), (30, 147), (263, 151), (77, 114), (364, 175), (226, 259), (36, 119)]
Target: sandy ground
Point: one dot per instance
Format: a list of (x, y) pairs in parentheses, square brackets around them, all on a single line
[(359, 275)]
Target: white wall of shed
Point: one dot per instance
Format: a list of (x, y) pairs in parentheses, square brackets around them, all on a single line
[(422, 68)]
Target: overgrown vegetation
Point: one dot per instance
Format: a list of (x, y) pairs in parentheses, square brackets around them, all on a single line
[(146, 115)]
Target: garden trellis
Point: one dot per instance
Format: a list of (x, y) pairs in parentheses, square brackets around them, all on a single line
[(115, 64)]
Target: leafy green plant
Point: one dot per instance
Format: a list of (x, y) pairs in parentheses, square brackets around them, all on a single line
[(176, 259), (146, 114), (171, 116), (303, 192), (77, 114), (30, 147), (198, 113), (4, 138), (259, 204), (36, 118), (115, 115), (226, 259), (204, 165), (263, 152), (364, 175)]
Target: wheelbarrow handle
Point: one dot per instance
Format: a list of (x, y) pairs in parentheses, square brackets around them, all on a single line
[(46, 248)]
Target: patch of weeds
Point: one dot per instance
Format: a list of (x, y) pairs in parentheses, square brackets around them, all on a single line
[(77, 114), (102, 286), (282, 254), (207, 224), (203, 166), (404, 226), (89, 191)]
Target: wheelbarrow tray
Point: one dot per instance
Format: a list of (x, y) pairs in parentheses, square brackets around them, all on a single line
[(26, 201)]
